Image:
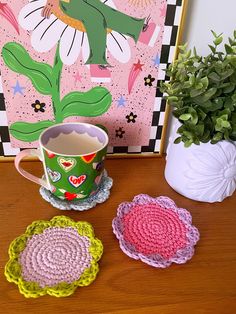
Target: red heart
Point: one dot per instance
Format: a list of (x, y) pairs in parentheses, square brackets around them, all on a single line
[(70, 196), (50, 155), (89, 158), (67, 164)]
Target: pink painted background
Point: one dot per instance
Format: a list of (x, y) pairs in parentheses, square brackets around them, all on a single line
[(140, 101)]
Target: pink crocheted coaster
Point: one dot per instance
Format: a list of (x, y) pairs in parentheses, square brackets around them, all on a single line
[(155, 231), (54, 257)]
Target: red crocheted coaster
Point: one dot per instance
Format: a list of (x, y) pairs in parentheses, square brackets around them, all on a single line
[(155, 231)]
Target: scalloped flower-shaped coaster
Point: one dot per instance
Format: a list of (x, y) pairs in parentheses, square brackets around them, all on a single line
[(155, 231), (101, 196), (54, 257)]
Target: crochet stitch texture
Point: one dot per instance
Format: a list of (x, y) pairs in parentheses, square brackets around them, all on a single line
[(155, 231), (54, 257), (99, 197)]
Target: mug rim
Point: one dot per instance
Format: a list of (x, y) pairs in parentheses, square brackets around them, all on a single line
[(71, 123)]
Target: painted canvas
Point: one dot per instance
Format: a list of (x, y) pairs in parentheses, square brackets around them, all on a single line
[(96, 61)]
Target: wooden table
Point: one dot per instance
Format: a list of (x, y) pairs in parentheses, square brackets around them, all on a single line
[(206, 284)]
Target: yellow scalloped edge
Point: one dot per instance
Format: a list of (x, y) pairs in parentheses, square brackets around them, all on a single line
[(32, 289)]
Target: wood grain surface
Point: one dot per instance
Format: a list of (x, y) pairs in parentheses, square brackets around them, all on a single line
[(206, 284)]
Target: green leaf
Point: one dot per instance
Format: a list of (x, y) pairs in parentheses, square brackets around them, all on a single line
[(226, 135), (229, 104), (213, 49), (192, 80), (222, 123), (233, 133), (93, 103), (206, 96), (195, 52), (194, 116), (206, 136), (234, 97), (214, 77), (196, 92), (229, 89), (199, 129), (199, 86), (188, 143), (183, 48), (234, 119), (218, 103), (217, 137), (185, 116), (226, 74), (205, 82), (218, 41), (189, 135), (172, 99), (228, 49), (201, 113), (177, 112), (186, 85), (18, 60), (178, 140), (196, 141), (231, 41), (226, 124), (234, 34), (232, 60), (214, 34), (29, 132)]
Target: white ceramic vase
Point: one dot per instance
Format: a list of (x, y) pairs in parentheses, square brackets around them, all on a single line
[(203, 172)]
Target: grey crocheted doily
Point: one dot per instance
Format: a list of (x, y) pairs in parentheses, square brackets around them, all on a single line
[(100, 197)]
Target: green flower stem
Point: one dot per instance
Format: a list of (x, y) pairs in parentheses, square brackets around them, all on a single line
[(56, 80)]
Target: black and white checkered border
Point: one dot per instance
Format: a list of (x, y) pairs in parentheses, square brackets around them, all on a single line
[(172, 22), (6, 149)]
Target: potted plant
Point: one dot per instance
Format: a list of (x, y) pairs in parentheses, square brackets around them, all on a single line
[(201, 161)]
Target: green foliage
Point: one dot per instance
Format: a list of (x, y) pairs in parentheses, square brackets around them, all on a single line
[(93, 103), (29, 132), (202, 91), (46, 80), (18, 60)]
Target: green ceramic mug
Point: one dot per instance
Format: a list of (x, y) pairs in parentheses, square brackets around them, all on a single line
[(73, 156)]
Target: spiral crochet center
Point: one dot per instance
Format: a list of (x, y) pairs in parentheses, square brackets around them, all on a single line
[(57, 255), (154, 230)]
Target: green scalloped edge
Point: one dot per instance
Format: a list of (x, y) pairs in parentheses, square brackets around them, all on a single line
[(32, 289)]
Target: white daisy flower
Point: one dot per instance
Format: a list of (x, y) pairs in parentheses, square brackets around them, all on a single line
[(46, 33)]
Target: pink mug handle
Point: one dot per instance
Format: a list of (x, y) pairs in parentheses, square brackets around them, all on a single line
[(27, 175)]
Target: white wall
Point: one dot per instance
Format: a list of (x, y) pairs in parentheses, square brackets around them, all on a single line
[(202, 16)]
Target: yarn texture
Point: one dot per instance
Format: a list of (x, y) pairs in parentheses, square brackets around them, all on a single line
[(155, 231), (54, 257), (101, 196)]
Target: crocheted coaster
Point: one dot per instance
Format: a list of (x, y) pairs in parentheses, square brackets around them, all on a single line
[(54, 257), (101, 196), (155, 231)]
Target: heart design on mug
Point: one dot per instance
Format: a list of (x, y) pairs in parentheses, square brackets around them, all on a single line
[(54, 175), (88, 158), (66, 163), (77, 181), (50, 154), (70, 196)]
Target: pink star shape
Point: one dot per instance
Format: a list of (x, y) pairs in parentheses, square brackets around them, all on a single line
[(77, 77)]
